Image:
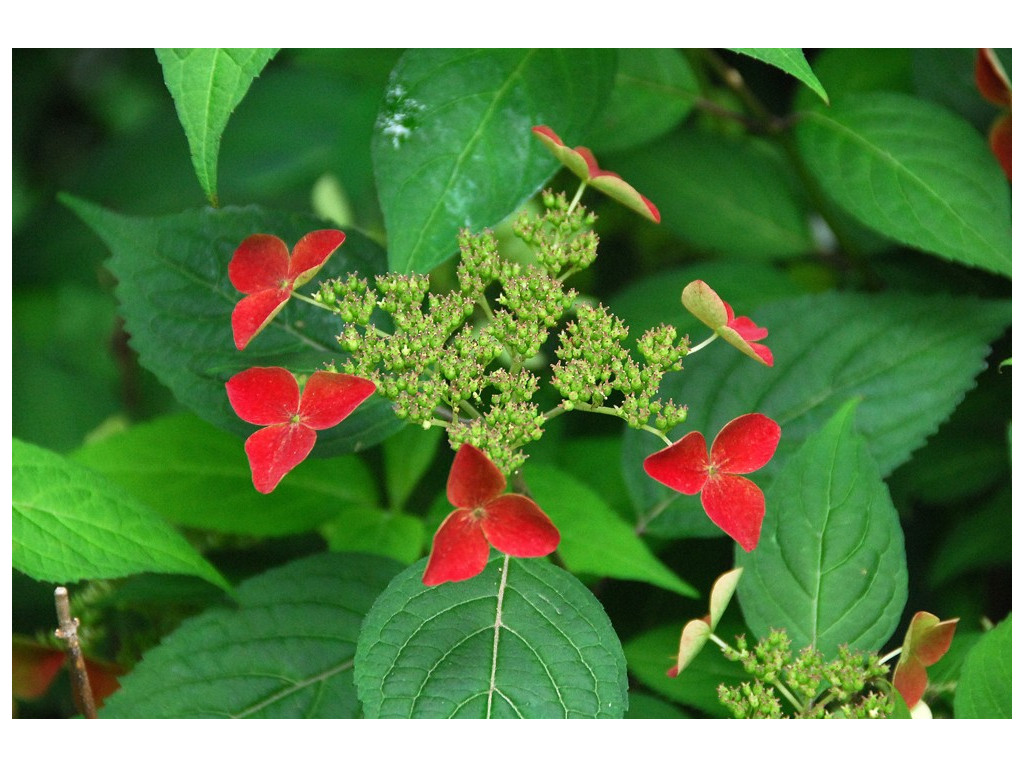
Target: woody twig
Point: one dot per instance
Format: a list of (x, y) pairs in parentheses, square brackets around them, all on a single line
[(67, 630)]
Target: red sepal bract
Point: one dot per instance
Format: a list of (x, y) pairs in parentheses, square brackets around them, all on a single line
[(735, 504), (485, 517), (742, 332), (270, 398), (262, 269), (926, 641), (582, 162)]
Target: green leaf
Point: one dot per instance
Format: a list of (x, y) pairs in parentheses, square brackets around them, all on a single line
[(790, 61), (910, 358), (830, 567), (985, 689), (285, 651), (453, 146), (70, 524), (176, 300), (407, 455), (377, 532), (654, 90), (975, 542), (198, 476), (859, 70), (723, 195), (643, 706), (523, 639), (595, 540), (206, 85), (652, 653), (914, 172)]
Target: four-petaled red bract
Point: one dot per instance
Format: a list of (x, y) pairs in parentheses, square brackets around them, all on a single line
[(742, 332), (262, 268), (735, 504), (582, 162), (484, 516), (926, 641), (270, 398)]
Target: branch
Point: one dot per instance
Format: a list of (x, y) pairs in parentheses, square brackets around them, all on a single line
[(67, 630)]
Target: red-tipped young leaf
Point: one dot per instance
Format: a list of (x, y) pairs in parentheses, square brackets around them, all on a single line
[(736, 505), (702, 302), (1000, 139), (474, 479), (329, 397), (264, 396), (515, 525), (745, 444), (275, 451), (459, 551), (721, 593), (682, 466), (311, 252)]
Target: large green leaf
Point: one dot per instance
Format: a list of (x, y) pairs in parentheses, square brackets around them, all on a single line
[(914, 172), (453, 146), (655, 88), (176, 300), (524, 639), (68, 524), (360, 528), (830, 567), (207, 84), (723, 195), (197, 475), (985, 687), (407, 455), (790, 61), (910, 358), (285, 651), (595, 540)]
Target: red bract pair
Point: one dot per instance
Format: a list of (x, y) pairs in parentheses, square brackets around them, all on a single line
[(484, 516), (735, 504), (270, 398), (706, 305), (926, 641), (582, 162), (262, 268), (994, 85)]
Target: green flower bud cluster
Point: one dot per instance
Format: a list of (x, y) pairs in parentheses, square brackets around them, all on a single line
[(593, 364), (852, 685), (564, 240), (460, 359)]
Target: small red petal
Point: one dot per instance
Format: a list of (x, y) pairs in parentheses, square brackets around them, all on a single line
[(672, 671), (747, 329), (655, 213), (460, 550), (1000, 139), (311, 253), (254, 312), (473, 479), (682, 466), (330, 397), (745, 444), (592, 167), (543, 130), (515, 525), (736, 506), (264, 395), (990, 78), (910, 679), (275, 451), (763, 352), (259, 263)]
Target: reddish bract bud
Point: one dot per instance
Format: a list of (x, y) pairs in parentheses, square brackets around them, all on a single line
[(926, 641), (582, 162), (741, 332), (262, 268), (735, 504), (270, 398), (485, 517)]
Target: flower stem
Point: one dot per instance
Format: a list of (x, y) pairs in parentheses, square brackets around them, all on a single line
[(576, 197), (703, 344)]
